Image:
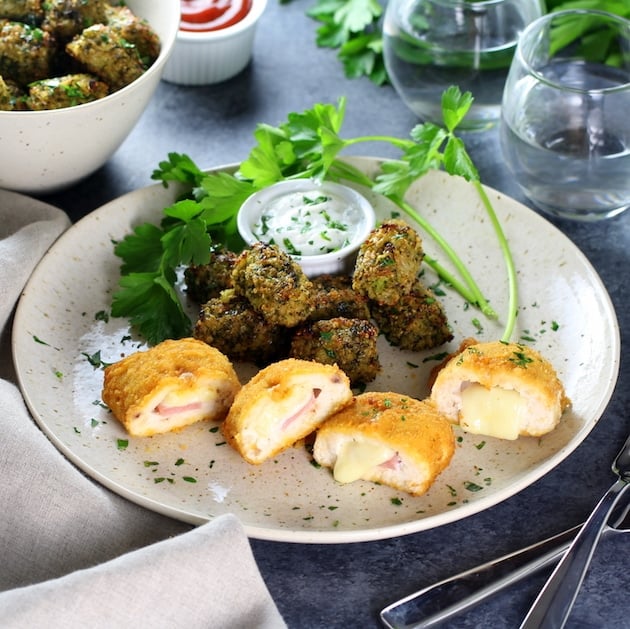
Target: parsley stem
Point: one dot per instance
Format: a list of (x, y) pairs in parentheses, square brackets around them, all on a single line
[(397, 142), (342, 170), (472, 294), (512, 310), (445, 275)]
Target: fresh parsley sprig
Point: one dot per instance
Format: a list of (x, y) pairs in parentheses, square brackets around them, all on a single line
[(307, 145), (352, 27)]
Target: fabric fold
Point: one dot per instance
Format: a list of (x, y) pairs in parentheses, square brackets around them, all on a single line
[(204, 578)]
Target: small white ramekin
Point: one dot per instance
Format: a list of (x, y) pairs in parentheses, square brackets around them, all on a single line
[(341, 261), (204, 58)]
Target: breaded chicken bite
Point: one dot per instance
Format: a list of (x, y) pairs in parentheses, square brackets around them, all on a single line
[(416, 322), (171, 385), (386, 438), (282, 404), (348, 343), (65, 91), (230, 324), (104, 52), (274, 284), (500, 390), (388, 262), (26, 53)]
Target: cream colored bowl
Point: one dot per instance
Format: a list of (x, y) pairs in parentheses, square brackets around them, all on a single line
[(204, 58), (44, 151)]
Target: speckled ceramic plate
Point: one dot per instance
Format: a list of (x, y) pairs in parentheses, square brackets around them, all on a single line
[(565, 313)]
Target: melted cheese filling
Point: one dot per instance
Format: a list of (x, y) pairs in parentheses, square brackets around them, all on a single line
[(493, 412), (358, 456)]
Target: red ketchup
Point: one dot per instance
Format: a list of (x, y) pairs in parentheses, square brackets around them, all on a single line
[(212, 15)]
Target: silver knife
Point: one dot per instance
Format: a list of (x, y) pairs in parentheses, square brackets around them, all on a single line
[(450, 597)]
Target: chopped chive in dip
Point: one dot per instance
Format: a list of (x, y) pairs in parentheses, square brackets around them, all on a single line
[(308, 223)]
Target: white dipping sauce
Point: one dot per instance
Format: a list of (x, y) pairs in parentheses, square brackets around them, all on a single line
[(308, 223)]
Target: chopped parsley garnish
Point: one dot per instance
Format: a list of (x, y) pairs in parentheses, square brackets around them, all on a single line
[(95, 359), (521, 359), (290, 247), (470, 486)]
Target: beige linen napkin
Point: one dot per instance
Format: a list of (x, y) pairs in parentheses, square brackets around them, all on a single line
[(72, 553)]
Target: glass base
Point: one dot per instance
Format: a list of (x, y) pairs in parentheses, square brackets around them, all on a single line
[(585, 216)]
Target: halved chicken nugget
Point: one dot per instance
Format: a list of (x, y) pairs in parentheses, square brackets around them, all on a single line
[(172, 385), (283, 403), (386, 438), (500, 390)]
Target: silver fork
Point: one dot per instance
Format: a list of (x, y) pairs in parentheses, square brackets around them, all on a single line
[(453, 596), (554, 603)]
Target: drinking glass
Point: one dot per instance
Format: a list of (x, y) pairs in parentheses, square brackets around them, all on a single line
[(429, 45), (565, 124)]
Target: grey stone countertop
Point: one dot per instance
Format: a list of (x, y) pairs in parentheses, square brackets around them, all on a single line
[(345, 585)]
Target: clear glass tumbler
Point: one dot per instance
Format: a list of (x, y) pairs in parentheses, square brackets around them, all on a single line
[(565, 127), (429, 45)]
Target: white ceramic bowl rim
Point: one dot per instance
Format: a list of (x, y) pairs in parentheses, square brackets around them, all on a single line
[(166, 48), (249, 211), (254, 13)]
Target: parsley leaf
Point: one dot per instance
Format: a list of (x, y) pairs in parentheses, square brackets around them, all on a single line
[(306, 145), (152, 305), (352, 26)]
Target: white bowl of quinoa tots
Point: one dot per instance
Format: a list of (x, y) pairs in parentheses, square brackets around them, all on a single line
[(48, 145), (320, 224)]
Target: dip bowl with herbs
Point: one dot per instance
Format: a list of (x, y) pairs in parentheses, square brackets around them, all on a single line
[(320, 224)]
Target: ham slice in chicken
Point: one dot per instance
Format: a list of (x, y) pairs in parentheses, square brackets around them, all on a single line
[(282, 404), (171, 385)]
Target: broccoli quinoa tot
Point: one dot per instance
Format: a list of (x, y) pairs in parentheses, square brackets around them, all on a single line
[(388, 262), (416, 322), (63, 53), (230, 324), (206, 281), (348, 343), (333, 296), (274, 284)]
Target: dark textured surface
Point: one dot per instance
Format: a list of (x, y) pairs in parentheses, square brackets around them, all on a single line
[(346, 585)]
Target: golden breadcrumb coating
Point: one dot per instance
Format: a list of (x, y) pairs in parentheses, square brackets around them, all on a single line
[(282, 404), (420, 439), (507, 367), (171, 385)]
